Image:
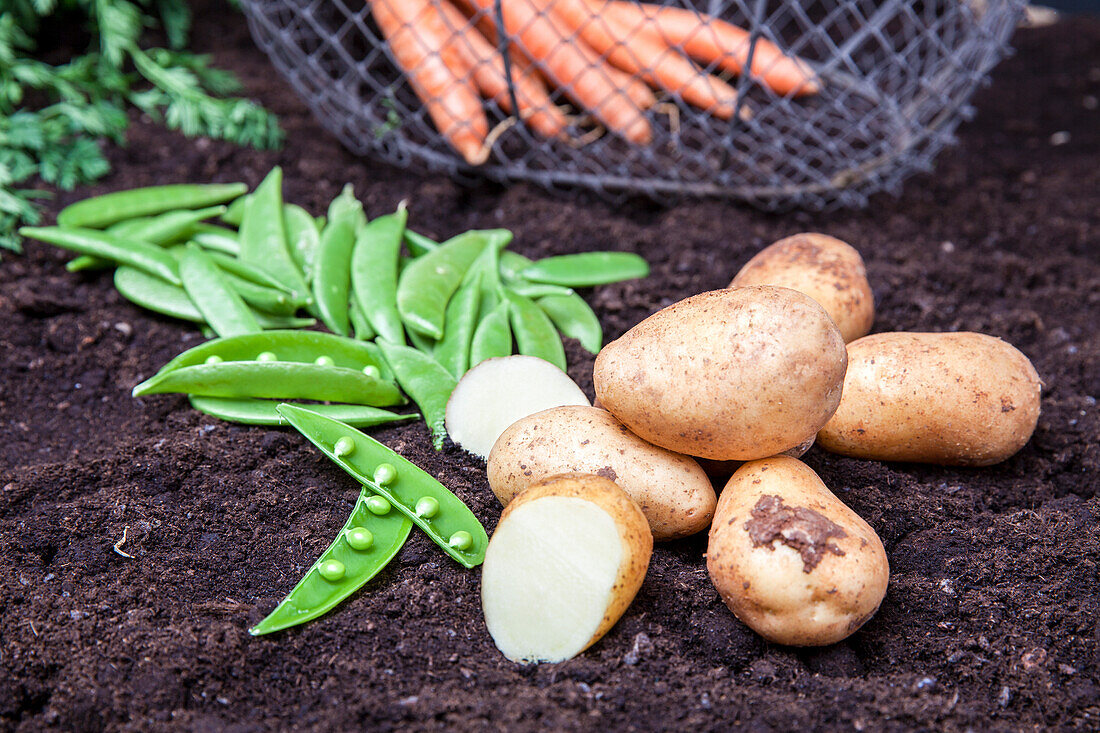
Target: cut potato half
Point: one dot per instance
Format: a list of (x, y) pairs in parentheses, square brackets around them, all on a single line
[(566, 560), (498, 392)]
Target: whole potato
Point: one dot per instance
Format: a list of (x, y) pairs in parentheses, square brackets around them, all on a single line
[(734, 374), (826, 269), (790, 559), (675, 495), (955, 399)]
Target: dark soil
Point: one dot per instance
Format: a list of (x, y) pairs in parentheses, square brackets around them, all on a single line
[(991, 619)]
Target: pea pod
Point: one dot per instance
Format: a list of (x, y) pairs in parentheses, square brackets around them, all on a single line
[(219, 304), (574, 318), (374, 273), (255, 273), (274, 321), (217, 239), (304, 347), (263, 298), (274, 380), (364, 546), (418, 244), (493, 336), (359, 323), (332, 274), (407, 487), (152, 293), (587, 269), (304, 237), (425, 381), (528, 289), (535, 333), (235, 212), (101, 211), (263, 233), (251, 411), (171, 226), (459, 323), (346, 204), (148, 257), (429, 281), (85, 263)]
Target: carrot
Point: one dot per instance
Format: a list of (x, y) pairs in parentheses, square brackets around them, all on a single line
[(646, 56), (573, 67), (711, 40), (440, 75), (535, 106)]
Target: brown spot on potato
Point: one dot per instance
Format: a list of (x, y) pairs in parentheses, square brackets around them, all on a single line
[(806, 531)]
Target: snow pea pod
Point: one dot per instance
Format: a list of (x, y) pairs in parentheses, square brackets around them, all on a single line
[(152, 293), (148, 257), (374, 273), (406, 486), (493, 336), (425, 381), (274, 380), (263, 233), (304, 237), (574, 318), (101, 211), (429, 281), (364, 546), (251, 411), (304, 347), (219, 304), (587, 269), (332, 274), (535, 333)]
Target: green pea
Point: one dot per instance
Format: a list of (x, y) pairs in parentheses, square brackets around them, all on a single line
[(332, 570), (378, 505), (461, 540), (360, 538), (372, 371), (344, 447), (409, 486), (385, 474), (267, 356), (101, 211), (426, 507), (214, 359), (587, 269), (326, 360)]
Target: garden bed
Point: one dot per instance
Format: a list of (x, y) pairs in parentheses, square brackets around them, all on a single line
[(992, 610)]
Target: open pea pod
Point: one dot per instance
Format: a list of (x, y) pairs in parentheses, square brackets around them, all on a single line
[(411, 490), (364, 546)]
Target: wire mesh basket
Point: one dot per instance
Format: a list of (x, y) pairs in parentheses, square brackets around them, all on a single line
[(781, 103)]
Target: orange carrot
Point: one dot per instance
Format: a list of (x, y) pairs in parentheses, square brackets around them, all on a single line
[(711, 40), (436, 69), (646, 56), (573, 67), (535, 106)]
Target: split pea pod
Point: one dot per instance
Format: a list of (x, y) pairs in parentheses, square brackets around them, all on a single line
[(221, 307), (427, 382), (405, 486), (374, 273), (332, 273), (274, 380), (428, 283), (587, 269), (101, 211), (493, 336), (365, 545), (573, 317), (263, 233), (147, 257), (303, 347), (535, 333), (252, 411)]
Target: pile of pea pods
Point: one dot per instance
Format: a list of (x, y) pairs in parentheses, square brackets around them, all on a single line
[(428, 311), (406, 316)]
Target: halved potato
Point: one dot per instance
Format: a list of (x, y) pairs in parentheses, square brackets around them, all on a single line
[(566, 559)]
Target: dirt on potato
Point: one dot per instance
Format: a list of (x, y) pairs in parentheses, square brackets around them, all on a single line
[(141, 539)]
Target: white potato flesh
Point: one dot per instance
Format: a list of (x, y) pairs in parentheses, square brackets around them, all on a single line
[(548, 578), (498, 392)]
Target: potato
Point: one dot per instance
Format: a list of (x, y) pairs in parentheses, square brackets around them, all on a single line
[(790, 559), (734, 374), (955, 399), (566, 559), (675, 495), (826, 269)]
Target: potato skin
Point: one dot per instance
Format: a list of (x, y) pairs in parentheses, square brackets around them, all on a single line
[(734, 374), (675, 495), (954, 399), (790, 559), (825, 268), (637, 540)]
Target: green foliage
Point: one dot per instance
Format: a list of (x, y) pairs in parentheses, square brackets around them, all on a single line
[(53, 117)]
